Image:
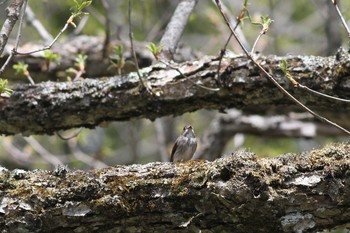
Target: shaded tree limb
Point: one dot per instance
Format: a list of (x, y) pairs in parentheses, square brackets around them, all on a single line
[(293, 193), (225, 126), (52, 106)]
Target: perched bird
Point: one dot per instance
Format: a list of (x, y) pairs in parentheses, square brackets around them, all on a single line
[(185, 145)]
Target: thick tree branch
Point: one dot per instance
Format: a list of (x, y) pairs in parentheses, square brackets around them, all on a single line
[(293, 193), (175, 28), (50, 106)]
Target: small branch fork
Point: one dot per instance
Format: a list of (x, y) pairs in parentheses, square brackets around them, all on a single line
[(15, 51), (270, 77)]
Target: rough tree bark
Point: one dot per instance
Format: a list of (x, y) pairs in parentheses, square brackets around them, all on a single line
[(239, 193), (52, 106)]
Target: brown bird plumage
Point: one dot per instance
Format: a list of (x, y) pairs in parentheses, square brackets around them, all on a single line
[(185, 145)]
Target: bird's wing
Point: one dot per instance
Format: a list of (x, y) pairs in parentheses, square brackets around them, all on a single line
[(195, 147), (173, 150)]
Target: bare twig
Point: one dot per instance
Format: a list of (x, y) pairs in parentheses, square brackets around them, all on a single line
[(256, 42), (183, 75), (223, 50), (335, 3), (107, 40), (16, 52), (75, 134), (283, 67), (19, 33), (75, 13), (9, 58), (322, 94), (29, 77), (222, 54), (52, 42), (131, 37), (271, 78)]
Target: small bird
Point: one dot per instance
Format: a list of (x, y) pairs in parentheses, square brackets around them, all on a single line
[(185, 145)]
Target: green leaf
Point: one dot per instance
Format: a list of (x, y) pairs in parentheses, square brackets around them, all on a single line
[(81, 58), (20, 67), (3, 88), (78, 7), (283, 66), (119, 50), (155, 50), (51, 56), (266, 21)]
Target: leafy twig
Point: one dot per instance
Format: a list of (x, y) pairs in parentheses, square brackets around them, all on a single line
[(155, 50), (265, 23), (22, 68), (117, 58), (80, 61), (240, 18), (76, 12)]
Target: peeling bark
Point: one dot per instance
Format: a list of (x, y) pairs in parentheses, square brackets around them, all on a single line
[(52, 106), (308, 192)]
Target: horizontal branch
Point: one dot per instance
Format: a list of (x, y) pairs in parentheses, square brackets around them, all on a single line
[(50, 106), (239, 193), (225, 126)]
